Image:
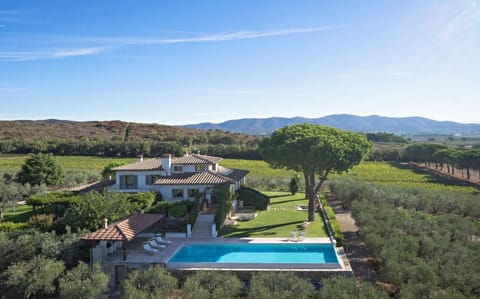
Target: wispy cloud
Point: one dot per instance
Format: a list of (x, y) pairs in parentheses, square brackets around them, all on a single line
[(369, 73), (122, 94), (48, 54), (96, 45), (227, 36), (240, 92), (196, 92)]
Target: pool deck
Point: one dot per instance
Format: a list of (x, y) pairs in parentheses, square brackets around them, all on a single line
[(137, 255)]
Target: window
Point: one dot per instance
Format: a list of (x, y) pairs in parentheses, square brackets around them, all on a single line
[(200, 168), (128, 182), (151, 178), (177, 168), (193, 192), (177, 193)]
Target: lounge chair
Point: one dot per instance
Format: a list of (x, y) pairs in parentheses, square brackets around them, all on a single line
[(301, 235), (293, 236), (158, 238), (148, 248), (155, 245)]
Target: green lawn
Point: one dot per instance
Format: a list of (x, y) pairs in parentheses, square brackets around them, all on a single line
[(22, 214), (277, 222)]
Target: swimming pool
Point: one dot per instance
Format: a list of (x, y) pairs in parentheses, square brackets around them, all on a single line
[(256, 254)]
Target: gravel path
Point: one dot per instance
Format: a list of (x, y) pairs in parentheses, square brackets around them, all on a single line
[(360, 259)]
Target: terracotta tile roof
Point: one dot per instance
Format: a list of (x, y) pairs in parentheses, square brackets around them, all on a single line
[(237, 174), (156, 163), (195, 159), (149, 164), (125, 230), (96, 186), (194, 178)]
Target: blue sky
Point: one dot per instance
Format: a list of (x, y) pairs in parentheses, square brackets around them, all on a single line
[(179, 62)]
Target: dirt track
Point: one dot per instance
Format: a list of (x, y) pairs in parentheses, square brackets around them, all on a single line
[(360, 259)]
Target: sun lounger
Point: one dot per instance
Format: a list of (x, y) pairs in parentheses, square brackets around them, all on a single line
[(293, 236), (301, 236), (154, 244), (148, 248), (158, 238)]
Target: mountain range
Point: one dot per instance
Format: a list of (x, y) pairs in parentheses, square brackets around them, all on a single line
[(369, 124)]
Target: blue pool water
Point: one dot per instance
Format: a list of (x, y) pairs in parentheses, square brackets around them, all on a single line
[(256, 253)]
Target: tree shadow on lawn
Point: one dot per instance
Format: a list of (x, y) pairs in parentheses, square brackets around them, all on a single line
[(280, 195), (234, 231), (285, 201)]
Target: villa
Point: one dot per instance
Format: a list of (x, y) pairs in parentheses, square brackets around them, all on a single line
[(177, 178), (136, 242)]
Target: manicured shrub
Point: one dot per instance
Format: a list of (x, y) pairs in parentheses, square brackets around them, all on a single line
[(9, 226), (158, 197), (328, 211), (142, 199), (192, 211), (252, 197), (160, 207), (225, 200), (337, 233), (294, 184), (212, 284), (178, 209)]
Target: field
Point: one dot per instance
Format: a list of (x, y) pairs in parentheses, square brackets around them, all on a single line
[(378, 172), (402, 175), (257, 168), (277, 222)]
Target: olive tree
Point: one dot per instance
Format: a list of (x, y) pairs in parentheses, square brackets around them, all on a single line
[(37, 276), (83, 281), (212, 284), (314, 150), (155, 282), (281, 285)]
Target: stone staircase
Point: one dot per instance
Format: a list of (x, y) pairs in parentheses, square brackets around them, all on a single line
[(203, 228)]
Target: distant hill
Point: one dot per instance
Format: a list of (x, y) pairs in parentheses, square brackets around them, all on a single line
[(66, 130), (373, 123), (120, 139)]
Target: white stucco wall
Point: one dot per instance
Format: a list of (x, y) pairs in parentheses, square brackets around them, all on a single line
[(166, 191), (141, 180)]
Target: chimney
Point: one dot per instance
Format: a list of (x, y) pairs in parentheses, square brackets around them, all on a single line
[(167, 163), (198, 152), (140, 158), (186, 154), (105, 223)]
